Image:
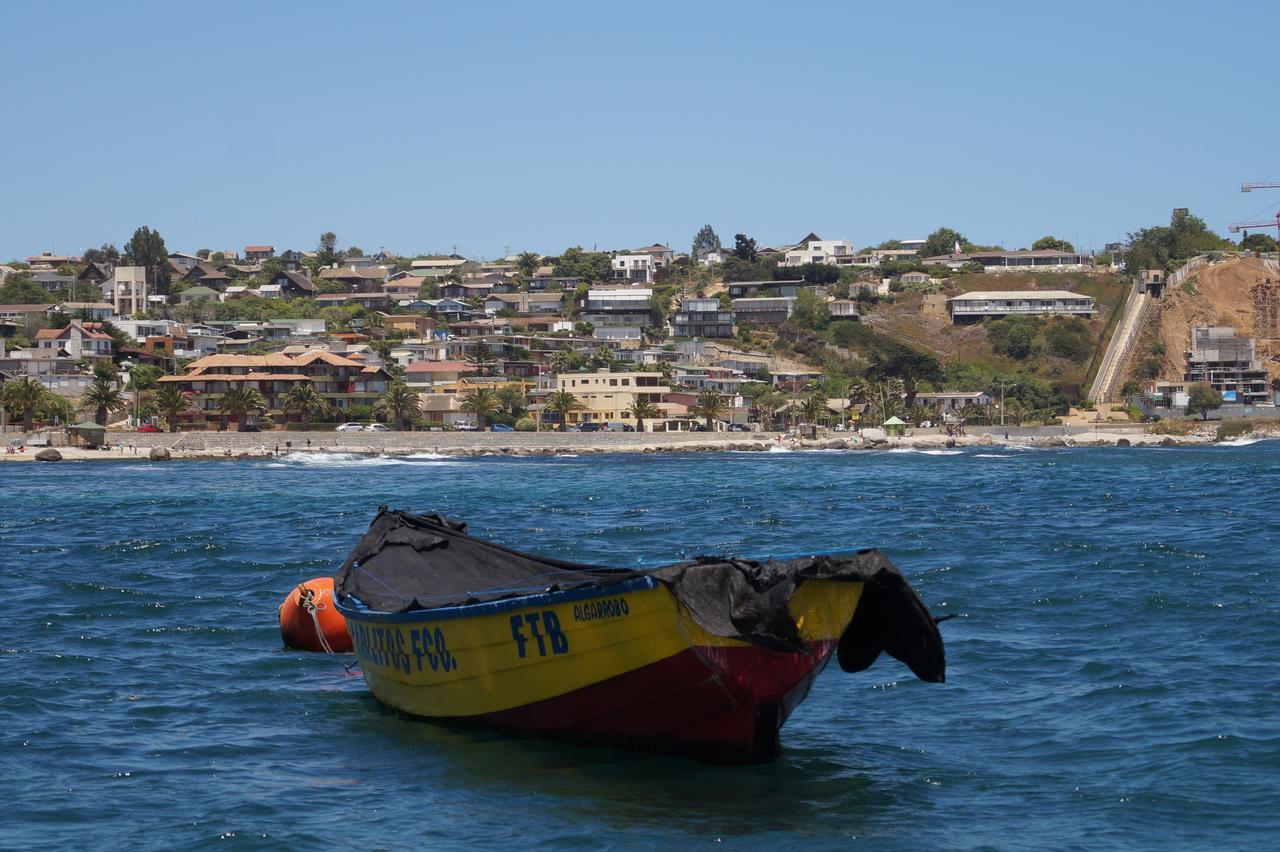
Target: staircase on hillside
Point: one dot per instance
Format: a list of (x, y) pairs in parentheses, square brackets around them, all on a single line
[(1120, 348)]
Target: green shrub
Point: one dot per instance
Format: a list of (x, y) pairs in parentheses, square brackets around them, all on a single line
[(1229, 429), (526, 424)]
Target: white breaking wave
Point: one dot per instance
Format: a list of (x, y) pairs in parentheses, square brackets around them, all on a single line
[(927, 452), (778, 448), (1240, 442), (427, 456), (337, 459)]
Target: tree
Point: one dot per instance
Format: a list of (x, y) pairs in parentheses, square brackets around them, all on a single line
[(142, 379), (704, 242), (512, 400), (23, 396), (602, 358), (170, 402), (809, 311), (1202, 399), (307, 401), (642, 409), (527, 263), (744, 248), (1069, 338), (398, 401), (767, 405), (146, 248), (1161, 247), (1013, 337), (327, 251), (482, 402), (814, 273), (909, 366), (102, 396), (563, 403), (107, 254), (353, 251), (940, 242), (481, 359), (1258, 242), (1053, 243), (709, 405), (203, 253), (241, 401), (813, 406), (19, 289)]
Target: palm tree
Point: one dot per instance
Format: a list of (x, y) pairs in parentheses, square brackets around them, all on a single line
[(240, 402), (602, 358), (643, 409), (306, 400), (398, 401), (511, 398), (814, 406), (24, 396), (54, 408), (710, 405), (562, 360), (527, 263), (102, 396), (170, 401), (482, 402), (767, 406), (563, 403)]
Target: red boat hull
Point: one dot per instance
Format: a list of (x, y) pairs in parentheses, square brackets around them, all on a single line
[(720, 704)]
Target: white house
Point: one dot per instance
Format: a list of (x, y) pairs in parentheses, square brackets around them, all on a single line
[(637, 268), (831, 252), (126, 290)]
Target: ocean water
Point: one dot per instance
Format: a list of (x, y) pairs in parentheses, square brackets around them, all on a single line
[(1113, 682)]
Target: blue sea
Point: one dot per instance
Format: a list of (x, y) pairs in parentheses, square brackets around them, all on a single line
[(1113, 678)]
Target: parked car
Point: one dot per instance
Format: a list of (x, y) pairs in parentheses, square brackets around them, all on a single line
[(697, 427), (501, 427), (377, 427), (250, 427), (617, 426), (739, 427), (587, 427), (349, 427), (466, 427), (149, 427)]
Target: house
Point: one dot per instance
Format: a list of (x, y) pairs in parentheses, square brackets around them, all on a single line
[(915, 278), (52, 281), (783, 287), (606, 397), (257, 254), (445, 408), (1037, 260), (357, 280), (126, 289), (413, 324), (344, 382), (702, 318), (844, 309), (76, 340), (814, 250), (526, 303), (437, 267), (466, 290), (49, 260), (637, 268), (199, 291), (568, 283), (952, 401), (763, 310), (183, 261), (294, 285), (426, 374), (1002, 303), (84, 310), (406, 287), (618, 313), (370, 301)]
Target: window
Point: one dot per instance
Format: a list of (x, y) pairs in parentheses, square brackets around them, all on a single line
[(613, 383), (626, 382)]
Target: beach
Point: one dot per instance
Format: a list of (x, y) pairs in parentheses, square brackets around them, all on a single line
[(131, 446)]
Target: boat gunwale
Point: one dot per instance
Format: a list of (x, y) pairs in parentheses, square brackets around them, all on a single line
[(361, 612)]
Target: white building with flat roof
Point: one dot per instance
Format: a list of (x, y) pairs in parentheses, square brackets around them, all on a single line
[(831, 252), (1003, 303)]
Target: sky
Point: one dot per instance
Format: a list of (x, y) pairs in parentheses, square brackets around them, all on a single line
[(494, 127)]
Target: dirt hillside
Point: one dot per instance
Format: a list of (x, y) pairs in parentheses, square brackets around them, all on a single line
[(1240, 292)]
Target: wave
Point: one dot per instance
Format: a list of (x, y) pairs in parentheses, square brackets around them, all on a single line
[(778, 448), (427, 456), (927, 452), (992, 456), (1240, 442), (323, 459)]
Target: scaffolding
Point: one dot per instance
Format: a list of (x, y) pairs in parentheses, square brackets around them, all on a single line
[(1225, 360)]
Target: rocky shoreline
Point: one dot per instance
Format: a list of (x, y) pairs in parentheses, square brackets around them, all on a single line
[(225, 446)]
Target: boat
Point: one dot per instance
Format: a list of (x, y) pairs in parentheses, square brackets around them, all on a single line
[(706, 657)]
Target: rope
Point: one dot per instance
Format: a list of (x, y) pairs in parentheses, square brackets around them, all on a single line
[(307, 598)]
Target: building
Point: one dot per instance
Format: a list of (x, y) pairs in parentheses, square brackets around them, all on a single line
[(76, 340), (344, 382), (191, 294), (637, 268), (951, 401), (424, 375), (702, 318), (618, 313), (357, 280), (783, 287), (607, 397), (126, 290), (830, 252), (52, 280), (1002, 303), (257, 254), (844, 309), (49, 260), (763, 310), (544, 304), (1227, 362), (1036, 260)]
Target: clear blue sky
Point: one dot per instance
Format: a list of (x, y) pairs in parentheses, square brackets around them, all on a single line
[(421, 126)]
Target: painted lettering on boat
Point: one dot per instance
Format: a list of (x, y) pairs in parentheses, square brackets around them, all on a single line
[(541, 629), (417, 650), (599, 610)]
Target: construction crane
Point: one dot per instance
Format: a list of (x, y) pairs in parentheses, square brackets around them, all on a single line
[(1250, 187), (1236, 227)]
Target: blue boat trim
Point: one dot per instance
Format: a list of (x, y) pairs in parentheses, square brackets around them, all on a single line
[(355, 608)]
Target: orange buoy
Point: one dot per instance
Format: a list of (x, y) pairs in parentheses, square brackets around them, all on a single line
[(310, 621)]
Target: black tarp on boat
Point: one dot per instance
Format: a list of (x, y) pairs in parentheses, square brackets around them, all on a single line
[(412, 562)]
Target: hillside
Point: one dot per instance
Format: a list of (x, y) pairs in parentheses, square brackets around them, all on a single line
[(922, 321), (1240, 292)]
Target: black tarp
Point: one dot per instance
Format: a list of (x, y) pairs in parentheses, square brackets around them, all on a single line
[(411, 562)]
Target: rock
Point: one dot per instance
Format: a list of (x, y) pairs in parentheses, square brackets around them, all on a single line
[(951, 443), (48, 454), (158, 454), (873, 435), (1166, 441), (986, 440), (837, 444), (1123, 442)]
